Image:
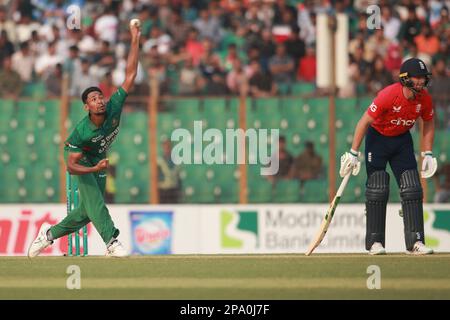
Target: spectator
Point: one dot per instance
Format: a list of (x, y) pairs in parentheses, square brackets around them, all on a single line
[(190, 80), (7, 25), (393, 58), (72, 65), (426, 41), (376, 45), (267, 48), (380, 77), (236, 78), (410, 28), (253, 20), (103, 60), (281, 10), (230, 57), (48, 60), (158, 71), (188, 12), (442, 184), (208, 27), (6, 46), (194, 46), (23, 62), (169, 184), (295, 47), (391, 25), (214, 75), (362, 66), (82, 79), (281, 66), (106, 26), (38, 47), (284, 159), (414, 53), (255, 54), (305, 20), (53, 83), (307, 165), (177, 27), (10, 82), (161, 40), (25, 27), (443, 25), (307, 66), (106, 86), (440, 91), (261, 83)]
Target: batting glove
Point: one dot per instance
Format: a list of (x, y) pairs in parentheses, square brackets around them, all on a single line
[(429, 165), (350, 163)]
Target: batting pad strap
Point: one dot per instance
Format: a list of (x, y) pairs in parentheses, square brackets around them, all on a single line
[(410, 187)]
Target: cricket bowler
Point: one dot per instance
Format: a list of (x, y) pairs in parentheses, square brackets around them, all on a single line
[(85, 156)]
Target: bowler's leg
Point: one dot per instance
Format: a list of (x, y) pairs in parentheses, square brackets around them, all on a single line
[(73, 222), (92, 188)]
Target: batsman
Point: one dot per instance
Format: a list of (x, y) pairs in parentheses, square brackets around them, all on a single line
[(85, 156), (386, 126)]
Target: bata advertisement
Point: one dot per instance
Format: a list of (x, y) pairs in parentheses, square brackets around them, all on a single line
[(151, 232)]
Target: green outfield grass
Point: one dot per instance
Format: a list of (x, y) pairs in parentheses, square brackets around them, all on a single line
[(226, 277)]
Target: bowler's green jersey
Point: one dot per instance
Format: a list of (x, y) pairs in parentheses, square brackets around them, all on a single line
[(94, 141)]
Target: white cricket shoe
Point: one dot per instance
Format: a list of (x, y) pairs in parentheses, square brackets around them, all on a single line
[(420, 249), (116, 249), (377, 249), (41, 242)]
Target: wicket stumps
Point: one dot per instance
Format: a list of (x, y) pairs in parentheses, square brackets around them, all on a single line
[(73, 195)]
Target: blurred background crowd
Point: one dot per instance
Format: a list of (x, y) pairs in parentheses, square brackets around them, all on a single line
[(212, 47)]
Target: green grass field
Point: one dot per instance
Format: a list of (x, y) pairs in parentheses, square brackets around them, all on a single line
[(225, 277)]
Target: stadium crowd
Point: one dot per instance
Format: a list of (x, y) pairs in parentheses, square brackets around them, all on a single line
[(214, 47)]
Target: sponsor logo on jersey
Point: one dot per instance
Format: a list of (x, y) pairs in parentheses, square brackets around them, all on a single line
[(95, 139), (373, 107), (396, 109), (403, 122), (418, 108)]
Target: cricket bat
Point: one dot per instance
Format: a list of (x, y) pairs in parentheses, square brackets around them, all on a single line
[(328, 216)]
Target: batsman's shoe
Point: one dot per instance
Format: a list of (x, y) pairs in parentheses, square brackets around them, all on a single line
[(116, 249), (41, 242), (377, 249), (420, 249)]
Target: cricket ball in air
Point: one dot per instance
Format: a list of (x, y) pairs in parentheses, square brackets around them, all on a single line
[(135, 22)]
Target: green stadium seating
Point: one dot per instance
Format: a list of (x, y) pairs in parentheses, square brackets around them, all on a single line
[(30, 144), (7, 109), (34, 90), (315, 191), (301, 88), (51, 114), (293, 114), (137, 121), (214, 111), (287, 191), (259, 191)]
